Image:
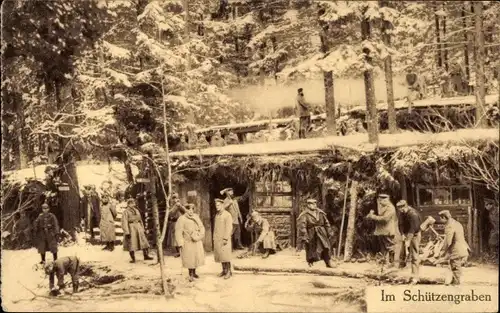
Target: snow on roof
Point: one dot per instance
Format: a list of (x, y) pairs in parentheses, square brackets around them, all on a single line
[(257, 123), (87, 174), (402, 104), (356, 142)]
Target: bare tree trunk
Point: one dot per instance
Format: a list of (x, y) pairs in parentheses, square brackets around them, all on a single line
[(389, 85), (480, 89), (445, 46), (438, 36), (466, 45), (371, 105), (328, 84), (156, 222), (330, 103), (351, 223), (186, 28)]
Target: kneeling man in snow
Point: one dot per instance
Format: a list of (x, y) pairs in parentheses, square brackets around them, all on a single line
[(60, 267), (265, 235)]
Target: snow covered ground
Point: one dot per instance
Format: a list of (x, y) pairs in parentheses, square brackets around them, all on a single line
[(245, 291)]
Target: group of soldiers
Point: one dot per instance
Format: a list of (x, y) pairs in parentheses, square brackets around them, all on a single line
[(189, 233), (394, 234), (186, 233)]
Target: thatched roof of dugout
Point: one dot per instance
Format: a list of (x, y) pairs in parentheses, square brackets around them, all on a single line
[(304, 160)]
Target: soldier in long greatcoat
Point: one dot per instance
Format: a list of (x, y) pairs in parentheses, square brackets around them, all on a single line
[(455, 247), (176, 211), (47, 229), (223, 228), (313, 233), (493, 215), (189, 235), (232, 206), (107, 224), (387, 229), (133, 231)]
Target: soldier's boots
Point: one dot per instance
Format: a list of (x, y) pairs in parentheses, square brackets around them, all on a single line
[(191, 275), (229, 273), (132, 256), (146, 255), (194, 274), (224, 270), (266, 254)]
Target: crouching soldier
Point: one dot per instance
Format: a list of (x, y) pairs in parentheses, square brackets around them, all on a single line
[(265, 235), (455, 248), (60, 267)]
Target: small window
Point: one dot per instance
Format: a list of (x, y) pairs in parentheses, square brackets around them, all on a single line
[(425, 196), (460, 195), (442, 196)]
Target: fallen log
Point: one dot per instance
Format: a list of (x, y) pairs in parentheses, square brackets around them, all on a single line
[(388, 277)]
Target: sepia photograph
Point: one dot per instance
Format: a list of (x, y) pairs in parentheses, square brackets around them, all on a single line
[(250, 156)]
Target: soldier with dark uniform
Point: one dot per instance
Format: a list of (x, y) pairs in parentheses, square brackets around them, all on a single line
[(410, 227), (22, 230), (60, 267), (303, 111), (493, 217), (314, 233), (176, 211), (47, 230), (232, 206)]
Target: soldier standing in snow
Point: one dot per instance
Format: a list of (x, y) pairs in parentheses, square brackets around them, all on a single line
[(107, 224), (47, 230), (223, 227), (386, 229), (189, 235), (410, 227), (232, 206), (304, 113), (314, 233), (176, 211), (133, 231), (493, 217)]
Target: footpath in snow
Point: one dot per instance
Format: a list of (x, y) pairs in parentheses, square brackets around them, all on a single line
[(293, 262)]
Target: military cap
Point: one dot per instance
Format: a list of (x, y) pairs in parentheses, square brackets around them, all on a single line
[(219, 201), (445, 213), (311, 200), (223, 191), (383, 196), (401, 203), (45, 205)]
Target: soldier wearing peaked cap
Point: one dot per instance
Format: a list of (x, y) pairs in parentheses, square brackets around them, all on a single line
[(223, 228), (386, 229), (47, 228), (410, 221), (232, 206), (266, 241), (455, 247), (314, 233)]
